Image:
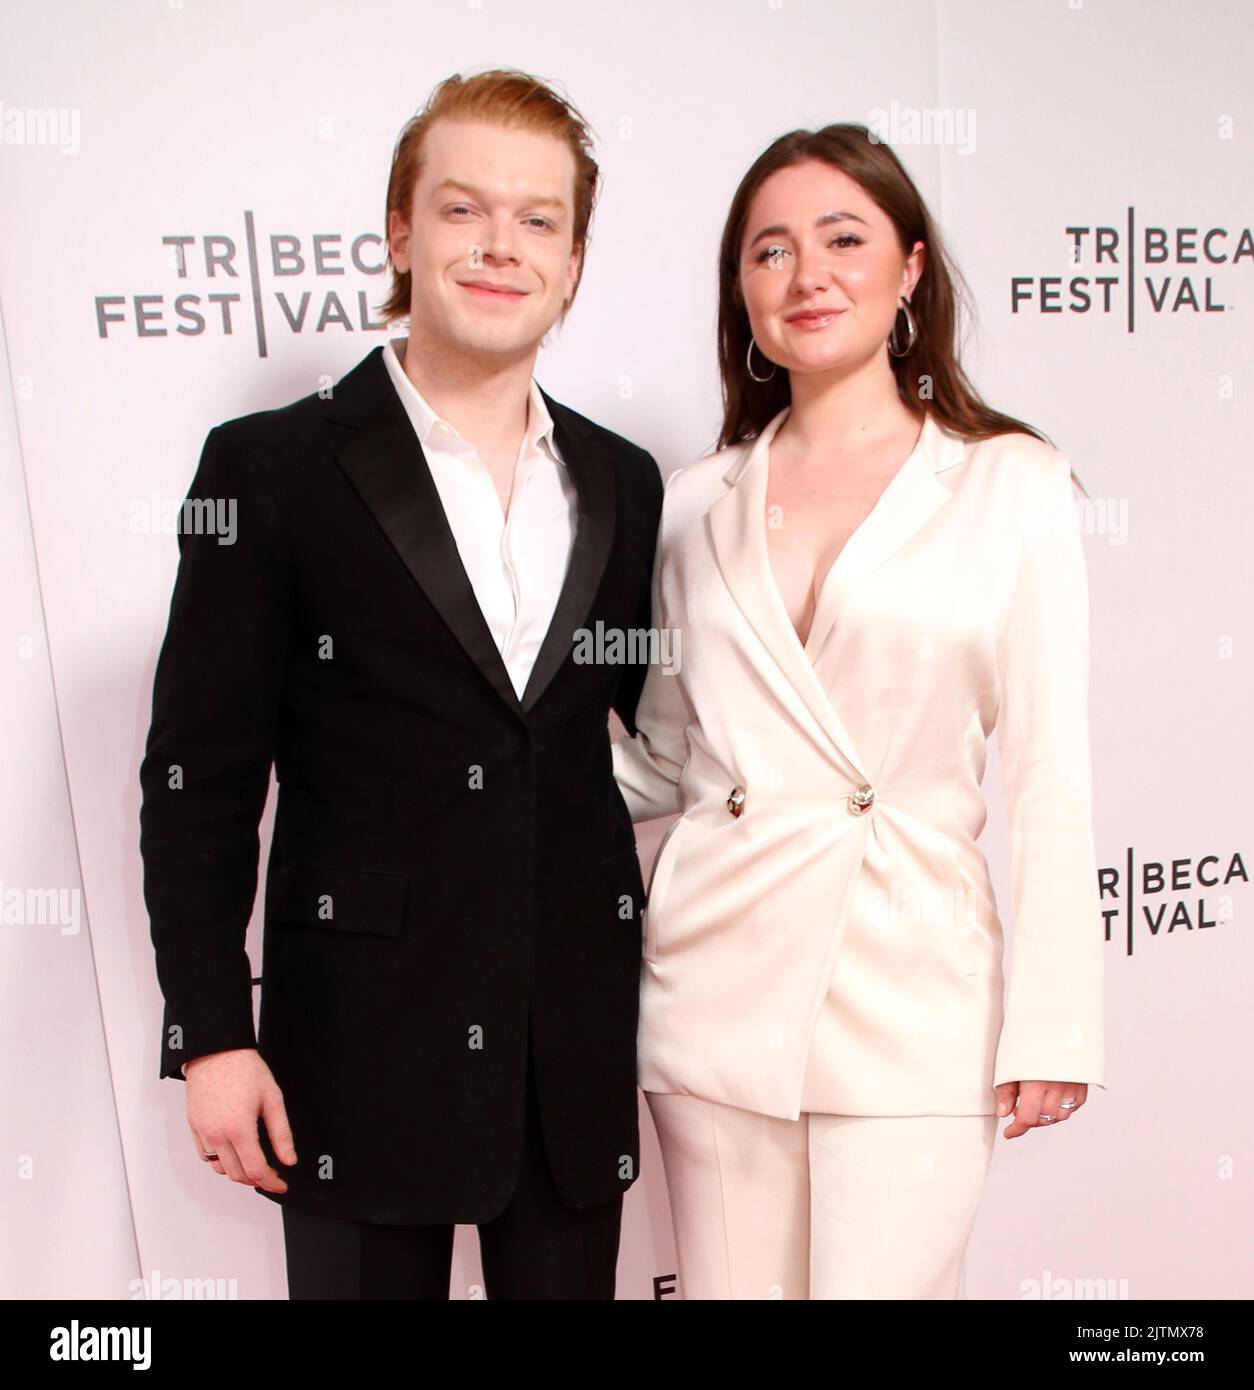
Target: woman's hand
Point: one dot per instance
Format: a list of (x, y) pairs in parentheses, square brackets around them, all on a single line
[(1038, 1103)]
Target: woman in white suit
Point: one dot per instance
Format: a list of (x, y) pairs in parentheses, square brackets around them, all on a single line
[(873, 573)]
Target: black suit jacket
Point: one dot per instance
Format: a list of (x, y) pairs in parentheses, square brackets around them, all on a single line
[(449, 866)]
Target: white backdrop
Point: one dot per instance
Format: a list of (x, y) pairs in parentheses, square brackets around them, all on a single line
[(142, 147)]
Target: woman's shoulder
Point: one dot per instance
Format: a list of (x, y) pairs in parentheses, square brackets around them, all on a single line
[(1014, 447), (702, 481), (1028, 483), (1016, 464)]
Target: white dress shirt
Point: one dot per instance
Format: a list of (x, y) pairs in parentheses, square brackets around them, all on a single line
[(516, 564)]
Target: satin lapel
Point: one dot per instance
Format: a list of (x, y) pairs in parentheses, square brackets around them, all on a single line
[(385, 464), (737, 523), (591, 468), (913, 496)]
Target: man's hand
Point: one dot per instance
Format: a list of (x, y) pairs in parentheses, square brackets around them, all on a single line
[(1038, 1103), (226, 1092)]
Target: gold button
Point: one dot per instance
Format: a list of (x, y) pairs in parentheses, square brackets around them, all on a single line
[(736, 801), (861, 799)]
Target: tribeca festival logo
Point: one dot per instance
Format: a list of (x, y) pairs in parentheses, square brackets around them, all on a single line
[(1169, 896), (228, 284), (1162, 270)]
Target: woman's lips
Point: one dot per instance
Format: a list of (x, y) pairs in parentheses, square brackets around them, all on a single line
[(814, 322)]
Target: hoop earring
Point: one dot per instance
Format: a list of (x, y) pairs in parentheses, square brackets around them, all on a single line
[(749, 363), (912, 331)]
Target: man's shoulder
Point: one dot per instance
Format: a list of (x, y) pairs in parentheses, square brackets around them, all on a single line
[(278, 428), (294, 424), (273, 427), (617, 442), (630, 458)]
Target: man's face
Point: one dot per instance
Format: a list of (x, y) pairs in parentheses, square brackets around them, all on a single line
[(493, 207)]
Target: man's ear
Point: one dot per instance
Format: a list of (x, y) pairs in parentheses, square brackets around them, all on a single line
[(398, 232), (576, 267)]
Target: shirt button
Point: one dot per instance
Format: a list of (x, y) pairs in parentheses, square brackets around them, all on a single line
[(861, 799), (736, 801)]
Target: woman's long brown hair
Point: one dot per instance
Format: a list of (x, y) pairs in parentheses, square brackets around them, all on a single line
[(929, 377)]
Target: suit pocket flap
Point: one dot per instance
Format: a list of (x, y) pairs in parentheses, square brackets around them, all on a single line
[(336, 898)]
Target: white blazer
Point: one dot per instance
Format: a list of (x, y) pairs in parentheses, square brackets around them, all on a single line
[(823, 875)]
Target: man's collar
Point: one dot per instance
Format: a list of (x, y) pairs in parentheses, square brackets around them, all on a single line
[(427, 422)]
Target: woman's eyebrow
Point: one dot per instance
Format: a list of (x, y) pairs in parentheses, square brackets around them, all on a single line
[(779, 229)]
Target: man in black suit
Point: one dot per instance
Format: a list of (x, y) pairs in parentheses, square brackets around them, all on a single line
[(451, 950)]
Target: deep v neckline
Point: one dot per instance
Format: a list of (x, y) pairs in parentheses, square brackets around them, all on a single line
[(867, 522)]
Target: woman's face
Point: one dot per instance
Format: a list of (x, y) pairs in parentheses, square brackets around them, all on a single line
[(821, 271)]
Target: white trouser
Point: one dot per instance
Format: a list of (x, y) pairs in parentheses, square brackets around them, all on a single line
[(826, 1206)]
